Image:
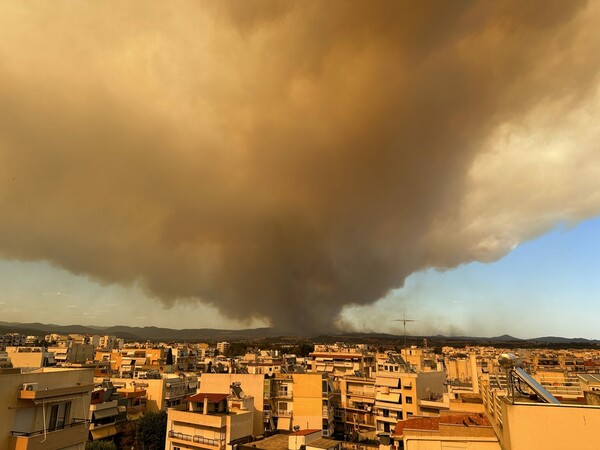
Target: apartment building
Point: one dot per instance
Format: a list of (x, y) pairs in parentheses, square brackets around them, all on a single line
[(448, 431), (30, 357), (222, 347), (4, 360), (129, 361), (526, 415), (72, 352), (107, 411), (288, 400), (341, 359), (185, 357), (252, 385), (422, 359), (400, 395), (160, 392), (462, 371), (12, 340), (356, 411), (110, 342), (211, 421), (44, 408), (302, 400)]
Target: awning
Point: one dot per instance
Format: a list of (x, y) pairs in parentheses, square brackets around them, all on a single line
[(104, 413), (47, 401), (104, 432), (284, 423), (389, 382), (394, 398)]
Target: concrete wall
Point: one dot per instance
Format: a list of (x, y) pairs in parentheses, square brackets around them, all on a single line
[(308, 401), (439, 443), (538, 425)]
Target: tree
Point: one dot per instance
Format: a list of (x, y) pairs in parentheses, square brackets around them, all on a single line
[(236, 349), (303, 350), (152, 431), (100, 445)]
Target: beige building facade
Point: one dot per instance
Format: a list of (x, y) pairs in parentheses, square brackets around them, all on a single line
[(44, 408)]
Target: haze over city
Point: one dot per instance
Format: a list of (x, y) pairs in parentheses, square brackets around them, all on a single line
[(302, 165)]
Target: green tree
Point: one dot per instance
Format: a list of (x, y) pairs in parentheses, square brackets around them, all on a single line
[(152, 431), (236, 349), (100, 445), (303, 350)]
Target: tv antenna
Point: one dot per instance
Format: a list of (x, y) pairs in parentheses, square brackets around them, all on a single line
[(404, 320)]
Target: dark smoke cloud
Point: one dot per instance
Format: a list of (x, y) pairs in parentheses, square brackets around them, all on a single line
[(282, 160)]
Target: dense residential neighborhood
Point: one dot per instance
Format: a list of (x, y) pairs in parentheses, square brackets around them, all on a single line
[(69, 391)]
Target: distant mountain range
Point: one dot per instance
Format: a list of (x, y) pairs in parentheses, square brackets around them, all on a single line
[(212, 334)]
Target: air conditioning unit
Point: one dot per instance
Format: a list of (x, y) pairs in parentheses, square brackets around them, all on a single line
[(30, 387)]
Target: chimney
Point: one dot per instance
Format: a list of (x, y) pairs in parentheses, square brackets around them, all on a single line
[(205, 408)]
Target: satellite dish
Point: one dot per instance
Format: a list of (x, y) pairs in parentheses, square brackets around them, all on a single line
[(296, 427)]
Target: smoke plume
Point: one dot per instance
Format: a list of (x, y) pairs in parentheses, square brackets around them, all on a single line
[(282, 160)]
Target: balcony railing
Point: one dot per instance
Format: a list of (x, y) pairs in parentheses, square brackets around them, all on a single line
[(58, 437), (362, 394), (217, 443), (174, 394), (284, 394), (283, 412)]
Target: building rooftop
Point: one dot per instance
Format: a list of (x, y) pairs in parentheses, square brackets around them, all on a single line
[(433, 423), (305, 432), (323, 443), (275, 442), (212, 398)]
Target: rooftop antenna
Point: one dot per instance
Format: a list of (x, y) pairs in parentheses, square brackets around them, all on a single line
[(404, 320)]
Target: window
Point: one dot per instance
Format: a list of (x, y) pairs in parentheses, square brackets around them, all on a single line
[(59, 415), (408, 400)]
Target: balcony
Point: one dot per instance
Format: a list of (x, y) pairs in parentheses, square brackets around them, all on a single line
[(283, 393), (361, 394), (389, 419), (105, 405), (203, 420), (366, 420), (283, 412), (69, 435), (327, 413), (182, 437), (170, 395)]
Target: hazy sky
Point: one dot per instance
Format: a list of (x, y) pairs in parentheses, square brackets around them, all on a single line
[(297, 163)]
